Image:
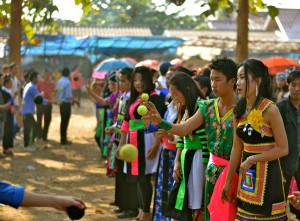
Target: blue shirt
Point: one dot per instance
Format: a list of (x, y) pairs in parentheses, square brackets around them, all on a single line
[(29, 93), (64, 89), (11, 195)]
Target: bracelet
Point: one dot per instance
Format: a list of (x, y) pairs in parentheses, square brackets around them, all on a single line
[(165, 125), (252, 161)]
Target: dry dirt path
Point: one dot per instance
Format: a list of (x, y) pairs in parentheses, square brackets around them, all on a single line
[(63, 170)]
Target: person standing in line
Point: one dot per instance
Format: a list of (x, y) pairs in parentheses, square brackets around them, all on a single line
[(142, 135), (77, 83), (290, 112), (8, 136), (65, 99), (165, 178), (185, 199), (31, 96), (4, 106), (46, 87), (217, 114), (112, 114), (259, 141), (15, 93), (127, 207)]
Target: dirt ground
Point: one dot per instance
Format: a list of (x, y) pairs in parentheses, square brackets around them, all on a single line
[(74, 170)]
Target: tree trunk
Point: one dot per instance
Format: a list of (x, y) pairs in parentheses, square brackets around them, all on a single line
[(15, 34), (242, 31)]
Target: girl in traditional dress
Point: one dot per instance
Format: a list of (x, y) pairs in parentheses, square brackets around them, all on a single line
[(192, 155), (259, 141), (166, 162), (143, 136)]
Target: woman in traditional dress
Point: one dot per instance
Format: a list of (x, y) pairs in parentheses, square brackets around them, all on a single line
[(165, 179), (142, 135), (192, 155), (259, 141)]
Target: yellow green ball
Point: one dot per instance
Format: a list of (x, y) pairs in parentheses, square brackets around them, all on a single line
[(142, 110), (145, 97), (128, 152)]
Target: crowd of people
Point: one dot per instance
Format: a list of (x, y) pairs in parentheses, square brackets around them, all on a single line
[(28, 101), (20, 100), (222, 144)]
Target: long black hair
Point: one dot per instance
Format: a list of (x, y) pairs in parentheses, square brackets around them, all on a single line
[(256, 69), (187, 86), (204, 82), (147, 83)]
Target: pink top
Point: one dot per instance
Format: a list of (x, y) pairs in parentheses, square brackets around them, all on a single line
[(76, 84), (46, 88)]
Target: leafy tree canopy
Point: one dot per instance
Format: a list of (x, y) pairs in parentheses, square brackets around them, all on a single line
[(141, 13)]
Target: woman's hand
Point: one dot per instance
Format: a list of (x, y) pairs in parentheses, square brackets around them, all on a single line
[(246, 165), (152, 115), (109, 130), (177, 173), (152, 153), (295, 199), (118, 153), (225, 195), (162, 133)]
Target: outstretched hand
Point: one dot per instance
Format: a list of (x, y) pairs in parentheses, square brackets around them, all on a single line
[(152, 114), (64, 202)]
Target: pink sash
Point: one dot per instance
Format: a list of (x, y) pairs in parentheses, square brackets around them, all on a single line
[(222, 211)]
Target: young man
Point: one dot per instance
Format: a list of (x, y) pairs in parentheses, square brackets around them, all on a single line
[(31, 96), (65, 99), (290, 111), (218, 117)]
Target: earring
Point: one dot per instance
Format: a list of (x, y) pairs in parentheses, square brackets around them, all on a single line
[(256, 90)]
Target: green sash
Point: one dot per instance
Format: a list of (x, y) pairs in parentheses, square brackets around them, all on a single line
[(136, 125)]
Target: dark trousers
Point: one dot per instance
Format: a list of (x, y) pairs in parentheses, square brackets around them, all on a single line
[(126, 197), (65, 114), (8, 135), (46, 112), (287, 183), (31, 130), (145, 191)]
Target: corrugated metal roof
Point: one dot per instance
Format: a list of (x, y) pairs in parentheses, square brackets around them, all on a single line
[(193, 34), (227, 43), (289, 23), (102, 31), (256, 22)]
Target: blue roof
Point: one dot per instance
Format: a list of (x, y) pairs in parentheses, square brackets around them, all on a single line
[(92, 46)]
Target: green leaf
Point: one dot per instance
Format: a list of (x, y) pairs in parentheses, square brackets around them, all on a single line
[(273, 11), (206, 13), (230, 8), (29, 32)]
